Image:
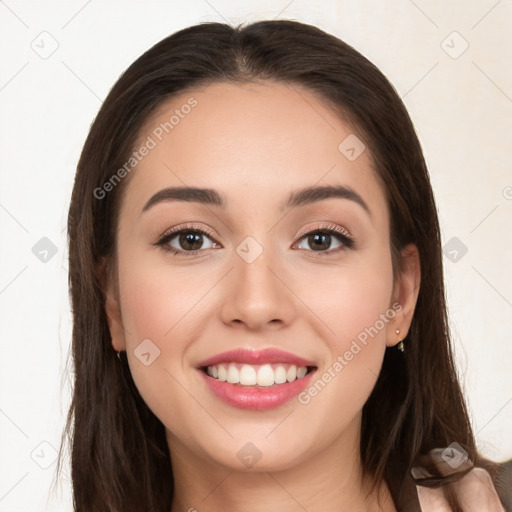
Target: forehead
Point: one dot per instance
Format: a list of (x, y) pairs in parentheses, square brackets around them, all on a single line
[(271, 114), (248, 139)]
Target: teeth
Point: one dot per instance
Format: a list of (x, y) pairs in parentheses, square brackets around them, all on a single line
[(301, 372), (291, 374), (233, 375), (261, 375), (247, 375), (222, 373), (266, 376), (279, 375)]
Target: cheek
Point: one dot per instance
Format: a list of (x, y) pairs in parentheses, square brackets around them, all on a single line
[(157, 301), (355, 313), (158, 305), (350, 299)]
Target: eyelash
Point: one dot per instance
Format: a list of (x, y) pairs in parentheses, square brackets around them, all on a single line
[(339, 233)]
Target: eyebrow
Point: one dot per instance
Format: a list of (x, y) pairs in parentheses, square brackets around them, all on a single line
[(211, 197)]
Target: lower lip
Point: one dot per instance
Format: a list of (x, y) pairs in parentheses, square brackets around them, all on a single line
[(256, 398)]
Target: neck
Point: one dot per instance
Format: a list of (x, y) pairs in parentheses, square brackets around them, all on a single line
[(328, 480)]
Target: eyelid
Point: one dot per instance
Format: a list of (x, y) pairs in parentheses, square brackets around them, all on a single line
[(301, 234), (191, 227), (333, 227)]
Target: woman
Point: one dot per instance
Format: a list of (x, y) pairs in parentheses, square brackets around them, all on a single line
[(253, 231)]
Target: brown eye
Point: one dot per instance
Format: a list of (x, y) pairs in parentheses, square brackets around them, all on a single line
[(321, 240), (190, 240), (187, 241)]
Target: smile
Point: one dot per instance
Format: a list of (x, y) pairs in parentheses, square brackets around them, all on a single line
[(264, 375)]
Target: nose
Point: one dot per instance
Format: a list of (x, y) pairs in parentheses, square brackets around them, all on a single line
[(258, 294)]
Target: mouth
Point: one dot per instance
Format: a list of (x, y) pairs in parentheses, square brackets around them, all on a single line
[(257, 376), (256, 387), (257, 380)]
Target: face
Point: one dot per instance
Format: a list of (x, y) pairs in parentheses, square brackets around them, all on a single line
[(311, 277)]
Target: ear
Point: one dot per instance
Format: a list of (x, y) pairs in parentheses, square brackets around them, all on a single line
[(405, 294), (112, 307)]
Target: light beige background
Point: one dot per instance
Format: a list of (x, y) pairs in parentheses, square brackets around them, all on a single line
[(460, 100)]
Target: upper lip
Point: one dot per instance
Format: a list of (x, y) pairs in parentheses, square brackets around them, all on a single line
[(247, 356)]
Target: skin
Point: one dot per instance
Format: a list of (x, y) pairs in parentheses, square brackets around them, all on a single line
[(475, 490), (256, 144)]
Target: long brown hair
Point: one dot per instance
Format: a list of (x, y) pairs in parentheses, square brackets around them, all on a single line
[(119, 455)]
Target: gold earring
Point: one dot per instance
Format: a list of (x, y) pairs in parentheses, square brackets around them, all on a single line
[(400, 342)]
